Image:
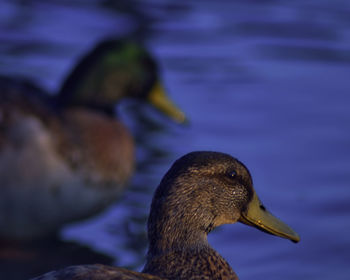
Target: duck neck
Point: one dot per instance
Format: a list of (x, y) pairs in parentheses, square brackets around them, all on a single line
[(178, 220), (89, 93), (177, 237), (188, 257), (173, 228)]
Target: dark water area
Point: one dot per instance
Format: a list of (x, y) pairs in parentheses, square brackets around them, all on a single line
[(265, 81)]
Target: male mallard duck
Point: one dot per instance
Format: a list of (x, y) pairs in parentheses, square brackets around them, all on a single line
[(202, 190), (66, 157)]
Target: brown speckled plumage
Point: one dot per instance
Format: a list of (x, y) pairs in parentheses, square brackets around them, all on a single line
[(201, 191), (96, 272), (194, 263)]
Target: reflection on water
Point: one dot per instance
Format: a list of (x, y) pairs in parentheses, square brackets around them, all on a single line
[(266, 81)]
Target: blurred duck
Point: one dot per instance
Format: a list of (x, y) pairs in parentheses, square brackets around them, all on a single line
[(202, 190), (67, 157)]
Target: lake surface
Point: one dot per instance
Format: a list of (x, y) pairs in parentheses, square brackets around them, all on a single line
[(265, 81)]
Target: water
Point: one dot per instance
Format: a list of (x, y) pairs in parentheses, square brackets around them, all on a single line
[(265, 81)]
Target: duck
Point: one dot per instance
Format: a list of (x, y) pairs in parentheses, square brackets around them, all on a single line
[(68, 156), (201, 191)]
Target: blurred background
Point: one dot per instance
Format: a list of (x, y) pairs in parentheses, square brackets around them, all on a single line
[(265, 81)]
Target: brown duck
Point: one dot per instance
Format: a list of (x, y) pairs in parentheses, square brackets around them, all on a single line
[(202, 190), (66, 157)]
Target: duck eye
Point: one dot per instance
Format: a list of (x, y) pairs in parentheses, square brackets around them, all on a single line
[(232, 174)]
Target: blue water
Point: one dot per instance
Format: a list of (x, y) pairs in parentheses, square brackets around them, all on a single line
[(265, 81)]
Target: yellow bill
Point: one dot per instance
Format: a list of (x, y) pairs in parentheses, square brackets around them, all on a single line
[(256, 215), (159, 99)]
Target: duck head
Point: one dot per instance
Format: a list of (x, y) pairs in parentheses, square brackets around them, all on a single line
[(113, 70), (203, 190)]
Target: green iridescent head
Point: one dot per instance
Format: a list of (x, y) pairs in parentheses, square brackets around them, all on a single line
[(113, 70)]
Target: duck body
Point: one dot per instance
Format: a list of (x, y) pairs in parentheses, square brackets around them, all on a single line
[(67, 156), (97, 272), (201, 191), (57, 166), (204, 263)]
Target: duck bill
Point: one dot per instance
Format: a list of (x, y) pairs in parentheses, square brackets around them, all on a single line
[(159, 99), (257, 216)]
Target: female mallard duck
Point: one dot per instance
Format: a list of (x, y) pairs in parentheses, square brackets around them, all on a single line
[(66, 157), (202, 190)]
